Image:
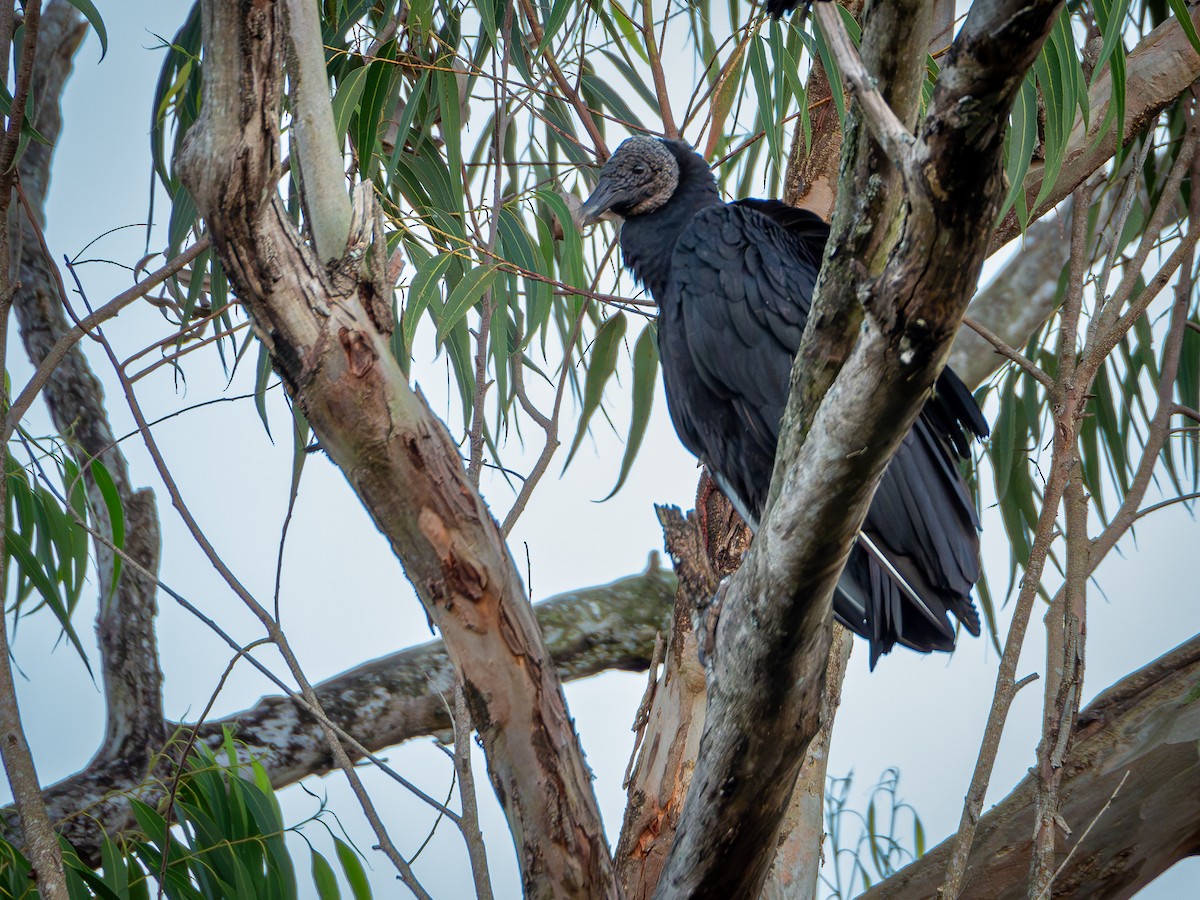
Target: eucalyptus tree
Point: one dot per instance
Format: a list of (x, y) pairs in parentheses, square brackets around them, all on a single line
[(363, 181)]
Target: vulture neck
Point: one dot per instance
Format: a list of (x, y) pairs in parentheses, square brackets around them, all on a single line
[(648, 240)]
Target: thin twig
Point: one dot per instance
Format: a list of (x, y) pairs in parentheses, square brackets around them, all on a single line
[(1044, 536), (1105, 334), (1096, 818), (316, 712), (1117, 228), (569, 93), (500, 122), (10, 144), (1009, 352), (886, 128), (656, 70), (476, 849), (41, 843), (340, 758), (61, 347)]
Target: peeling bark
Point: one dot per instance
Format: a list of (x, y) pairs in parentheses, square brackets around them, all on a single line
[(397, 456), (1147, 726)]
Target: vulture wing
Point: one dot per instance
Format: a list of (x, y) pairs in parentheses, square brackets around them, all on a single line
[(741, 284)]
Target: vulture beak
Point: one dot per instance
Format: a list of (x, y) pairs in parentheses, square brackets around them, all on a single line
[(602, 200)]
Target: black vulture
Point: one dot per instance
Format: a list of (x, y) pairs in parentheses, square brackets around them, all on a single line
[(734, 283)]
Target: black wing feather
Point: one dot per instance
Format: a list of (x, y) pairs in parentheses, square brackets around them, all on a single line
[(742, 279)]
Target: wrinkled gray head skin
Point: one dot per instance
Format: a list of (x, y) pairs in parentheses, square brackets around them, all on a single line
[(639, 178)]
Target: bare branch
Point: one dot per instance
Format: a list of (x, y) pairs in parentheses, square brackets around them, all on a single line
[(888, 130), (586, 117), (51, 358), (1141, 729), (1008, 352), (383, 702), (1069, 401), (466, 789), (670, 129), (316, 145), (42, 847)]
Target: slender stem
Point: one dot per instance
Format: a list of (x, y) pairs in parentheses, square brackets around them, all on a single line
[(274, 632), (1065, 634), (317, 146), (1105, 334), (466, 789), (885, 127), (1009, 352), (1044, 536), (656, 69), (10, 144), (582, 110), (500, 122), (41, 843)]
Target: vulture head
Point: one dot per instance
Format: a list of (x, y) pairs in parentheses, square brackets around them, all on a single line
[(639, 178)]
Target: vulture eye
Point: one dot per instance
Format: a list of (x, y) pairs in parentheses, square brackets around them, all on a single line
[(639, 169)]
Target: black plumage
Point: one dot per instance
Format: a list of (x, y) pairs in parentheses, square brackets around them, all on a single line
[(734, 285)]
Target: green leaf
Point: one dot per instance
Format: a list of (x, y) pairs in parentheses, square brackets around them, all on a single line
[(571, 255), (350, 89), (116, 514), (1183, 14), (324, 879), (93, 16), (1002, 445), (262, 374), (464, 297), (375, 93), (421, 291), (46, 586), (645, 378), (761, 75), (352, 867), (1019, 143), (631, 33), (558, 15), (603, 364), (449, 107)]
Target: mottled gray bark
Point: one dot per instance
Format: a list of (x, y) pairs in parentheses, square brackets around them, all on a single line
[(125, 621)]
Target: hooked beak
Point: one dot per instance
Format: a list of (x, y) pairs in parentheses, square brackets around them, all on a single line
[(598, 206)]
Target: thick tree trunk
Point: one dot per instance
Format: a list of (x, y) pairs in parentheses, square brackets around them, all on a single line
[(318, 324), (887, 305)]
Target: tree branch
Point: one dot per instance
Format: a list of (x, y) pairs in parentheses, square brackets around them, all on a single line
[(318, 150), (44, 854), (381, 703), (1143, 728), (396, 454)]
